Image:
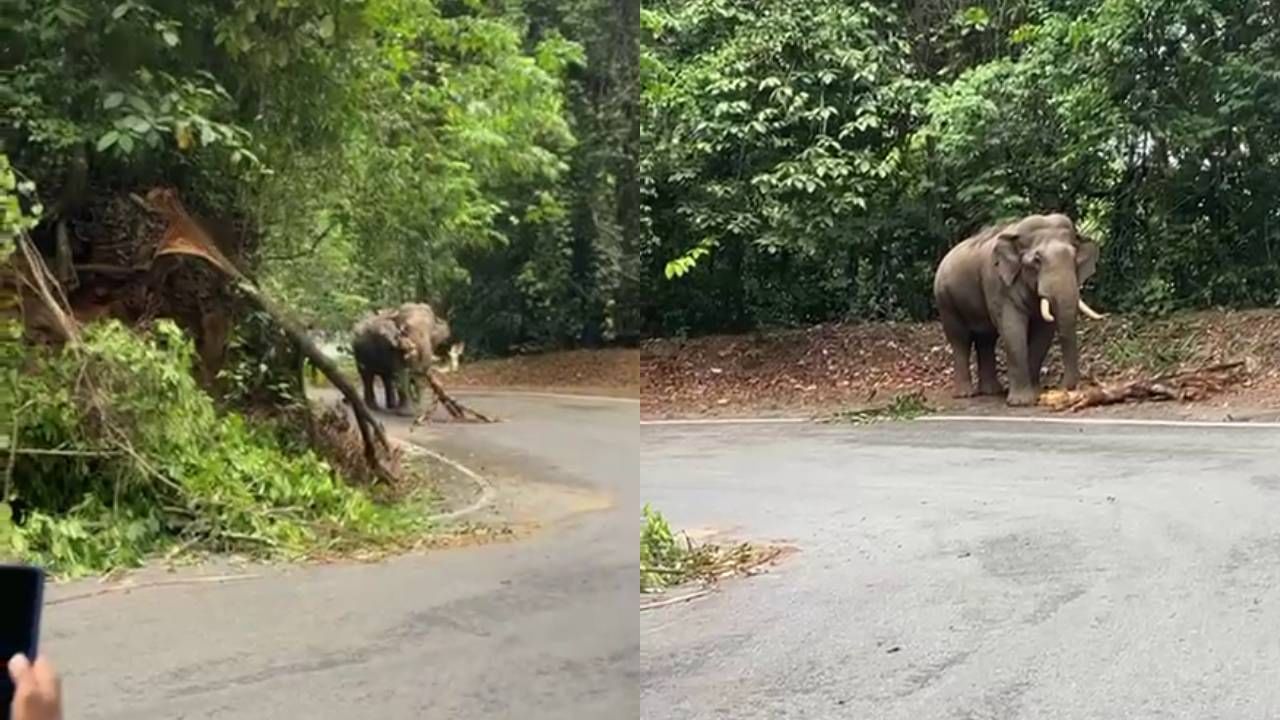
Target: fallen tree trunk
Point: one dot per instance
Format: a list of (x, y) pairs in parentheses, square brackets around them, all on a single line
[(370, 429), (185, 237), (1183, 386)]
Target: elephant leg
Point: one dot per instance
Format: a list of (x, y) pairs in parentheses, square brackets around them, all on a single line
[(366, 378), (389, 391), (1013, 329), (1038, 349), (961, 342), (988, 382)]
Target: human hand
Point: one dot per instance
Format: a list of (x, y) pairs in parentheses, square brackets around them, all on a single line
[(37, 690)]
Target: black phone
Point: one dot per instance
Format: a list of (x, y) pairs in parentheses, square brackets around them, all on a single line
[(21, 597)]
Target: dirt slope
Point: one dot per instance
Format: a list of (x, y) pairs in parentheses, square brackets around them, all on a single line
[(614, 372), (834, 367)]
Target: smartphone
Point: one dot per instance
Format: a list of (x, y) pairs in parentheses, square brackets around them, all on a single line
[(21, 596)]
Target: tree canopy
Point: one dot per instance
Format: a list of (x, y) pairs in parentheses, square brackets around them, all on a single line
[(367, 152), (805, 162)]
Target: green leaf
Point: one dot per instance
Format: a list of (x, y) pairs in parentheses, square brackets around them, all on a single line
[(326, 27), (126, 143), (107, 140), (136, 124), (121, 10), (140, 105), (976, 16), (170, 37), (112, 100)]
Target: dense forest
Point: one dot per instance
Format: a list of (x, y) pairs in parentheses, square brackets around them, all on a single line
[(805, 162), (340, 156), (473, 155)]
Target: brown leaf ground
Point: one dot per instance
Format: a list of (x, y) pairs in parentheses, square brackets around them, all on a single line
[(836, 367), (614, 372)]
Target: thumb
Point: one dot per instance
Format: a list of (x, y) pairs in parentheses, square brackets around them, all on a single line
[(19, 666)]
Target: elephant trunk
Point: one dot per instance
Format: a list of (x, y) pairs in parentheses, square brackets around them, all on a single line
[(1062, 300)]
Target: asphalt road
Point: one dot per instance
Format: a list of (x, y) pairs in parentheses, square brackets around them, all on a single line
[(540, 628), (973, 571)]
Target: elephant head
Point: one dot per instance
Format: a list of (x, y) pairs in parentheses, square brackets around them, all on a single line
[(1043, 260), (423, 331)]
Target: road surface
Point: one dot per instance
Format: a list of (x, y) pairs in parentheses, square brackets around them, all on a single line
[(540, 628), (973, 571)]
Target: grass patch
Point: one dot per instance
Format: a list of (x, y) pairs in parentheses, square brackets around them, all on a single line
[(667, 560), (903, 406), (115, 455)]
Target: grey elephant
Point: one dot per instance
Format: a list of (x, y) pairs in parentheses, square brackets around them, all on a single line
[(394, 344), (1019, 282)]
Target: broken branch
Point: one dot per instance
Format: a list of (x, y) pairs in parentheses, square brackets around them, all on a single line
[(1181, 386)]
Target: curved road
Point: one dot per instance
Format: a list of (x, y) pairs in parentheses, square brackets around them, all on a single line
[(540, 628), (991, 570)]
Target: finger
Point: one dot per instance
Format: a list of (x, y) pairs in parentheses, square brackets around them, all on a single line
[(45, 676), (19, 666)]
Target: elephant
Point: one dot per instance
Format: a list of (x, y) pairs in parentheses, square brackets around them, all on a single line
[(392, 345), (1020, 282)]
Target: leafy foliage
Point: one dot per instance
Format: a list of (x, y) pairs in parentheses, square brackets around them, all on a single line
[(658, 549), (903, 406), (377, 151), (665, 562), (812, 162), (118, 454)]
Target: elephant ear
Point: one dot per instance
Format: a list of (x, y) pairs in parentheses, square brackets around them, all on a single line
[(1007, 258), (1086, 261)]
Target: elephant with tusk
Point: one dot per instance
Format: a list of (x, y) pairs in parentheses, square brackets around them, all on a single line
[(1019, 282), (396, 345)]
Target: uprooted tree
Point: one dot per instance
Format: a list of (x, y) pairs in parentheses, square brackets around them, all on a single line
[(46, 307)]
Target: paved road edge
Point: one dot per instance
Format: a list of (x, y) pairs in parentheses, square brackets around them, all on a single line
[(487, 492), (1137, 422)]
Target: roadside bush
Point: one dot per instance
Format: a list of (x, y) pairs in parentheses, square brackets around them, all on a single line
[(116, 454), (660, 556)]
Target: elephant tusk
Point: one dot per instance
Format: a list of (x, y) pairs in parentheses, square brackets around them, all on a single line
[(1090, 312), (1044, 310)]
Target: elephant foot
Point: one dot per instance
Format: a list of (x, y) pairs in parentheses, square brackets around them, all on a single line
[(991, 390), (963, 392), (1023, 397)]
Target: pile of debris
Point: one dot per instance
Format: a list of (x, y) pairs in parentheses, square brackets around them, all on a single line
[(1190, 385)]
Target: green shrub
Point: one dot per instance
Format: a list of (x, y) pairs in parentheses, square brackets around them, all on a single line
[(117, 454), (661, 557)]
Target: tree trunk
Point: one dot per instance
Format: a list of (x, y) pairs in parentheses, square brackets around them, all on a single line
[(370, 429)]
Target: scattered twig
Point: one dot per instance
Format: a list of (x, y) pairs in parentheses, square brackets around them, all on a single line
[(456, 409), (315, 243), (40, 280), (66, 453), (675, 600), (131, 586)]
